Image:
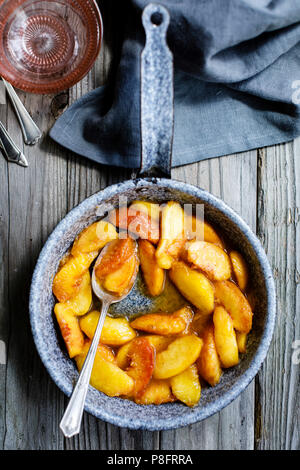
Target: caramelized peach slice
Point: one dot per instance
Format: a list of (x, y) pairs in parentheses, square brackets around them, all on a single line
[(81, 302), (118, 281), (68, 279), (117, 252), (236, 305), (194, 286), (225, 338), (151, 208), (156, 393), (198, 229), (240, 269), (209, 258), (115, 332), (122, 358), (136, 222), (94, 237), (172, 235), (65, 258), (241, 339), (200, 322), (178, 356), (159, 343), (186, 386), (104, 351), (154, 276), (106, 376), (209, 365), (164, 323), (141, 358), (69, 327)]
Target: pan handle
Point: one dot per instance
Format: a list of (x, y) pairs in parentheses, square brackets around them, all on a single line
[(156, 95)]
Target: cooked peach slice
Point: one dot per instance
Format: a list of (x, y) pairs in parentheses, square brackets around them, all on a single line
[(141, 359), (164, 323), (240, 269), (200, 322), (69, 327), (208, 363), (94, 237), (106, 376), (154, 276), (136, 222), (81, 302), (117, 266), (68, 279), (210, 258), (225, 338), (118, 281), (156, 393), (115, 332), (122, 359), (178, 356), (104, 351), (186, 386), (241, 339), (172, 235), (151, 208), (194, 286), (196, 228), (66, 257), (236, 305), (159, 343), (117, 252)]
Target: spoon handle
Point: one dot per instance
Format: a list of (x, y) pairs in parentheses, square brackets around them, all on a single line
[(10, 149), (71, 420), (30, 130)]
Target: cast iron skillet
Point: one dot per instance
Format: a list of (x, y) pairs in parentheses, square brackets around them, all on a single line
[(153, 184)]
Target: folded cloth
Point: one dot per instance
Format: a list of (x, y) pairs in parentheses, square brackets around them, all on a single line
[(236, 84)]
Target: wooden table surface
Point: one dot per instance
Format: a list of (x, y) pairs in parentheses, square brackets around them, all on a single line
[(262, 185)]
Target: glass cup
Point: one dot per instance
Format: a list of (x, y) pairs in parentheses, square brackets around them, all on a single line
[(48, 46)]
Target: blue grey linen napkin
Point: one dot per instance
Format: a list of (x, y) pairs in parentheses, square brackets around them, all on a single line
[(236, 84)]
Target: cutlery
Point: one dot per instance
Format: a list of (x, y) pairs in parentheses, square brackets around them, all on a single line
[(30, 130), (10, 149), (71, 421)]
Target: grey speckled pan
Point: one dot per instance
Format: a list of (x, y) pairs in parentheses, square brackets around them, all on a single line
[(157, 114)]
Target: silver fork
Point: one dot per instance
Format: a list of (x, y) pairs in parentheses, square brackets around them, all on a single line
[(30, 130)]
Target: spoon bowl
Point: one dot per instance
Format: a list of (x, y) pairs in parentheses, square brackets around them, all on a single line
[(102, 294)]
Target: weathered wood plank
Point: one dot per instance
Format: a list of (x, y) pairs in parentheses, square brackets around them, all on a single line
[(4, 260), (278, 384), (233, 178)]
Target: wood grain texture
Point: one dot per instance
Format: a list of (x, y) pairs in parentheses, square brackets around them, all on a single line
[(278, 383), (4, 270), (34, 200)]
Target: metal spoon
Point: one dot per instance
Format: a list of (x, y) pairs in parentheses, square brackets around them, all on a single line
[(71, 420), (31, 132), (10, 149)]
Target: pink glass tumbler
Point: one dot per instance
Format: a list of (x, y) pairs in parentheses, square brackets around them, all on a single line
[(48, 46)]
